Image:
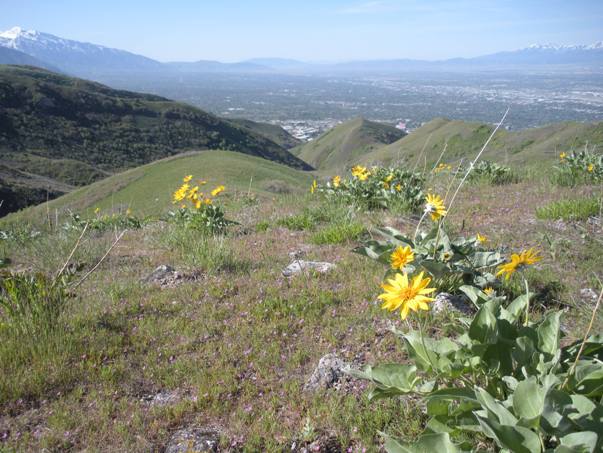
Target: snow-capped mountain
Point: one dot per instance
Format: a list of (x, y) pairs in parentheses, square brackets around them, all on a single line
[(100, 63), (548, 54), (73, 56)]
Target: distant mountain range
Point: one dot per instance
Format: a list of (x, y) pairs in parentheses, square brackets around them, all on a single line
[(91, 60)]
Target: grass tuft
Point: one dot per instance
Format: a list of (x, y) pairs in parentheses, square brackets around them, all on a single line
[(577, 209)]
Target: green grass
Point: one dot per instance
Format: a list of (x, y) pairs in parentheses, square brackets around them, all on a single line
[(147, 190), (575, 209), (337, 149), (241, 341), (338, 233), (465, 139)]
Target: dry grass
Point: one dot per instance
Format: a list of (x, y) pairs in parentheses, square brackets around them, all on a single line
[(239, 343)]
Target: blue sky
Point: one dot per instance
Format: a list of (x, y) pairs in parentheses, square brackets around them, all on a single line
[(327, 30)]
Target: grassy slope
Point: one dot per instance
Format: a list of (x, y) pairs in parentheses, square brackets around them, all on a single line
[(272, 131), (147, 189), (51, 116), (465, 139), (239, 344), (341, 146)]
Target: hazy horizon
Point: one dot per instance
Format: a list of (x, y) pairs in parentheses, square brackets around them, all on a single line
[(313, 31)]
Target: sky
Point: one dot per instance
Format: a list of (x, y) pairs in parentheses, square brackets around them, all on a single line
[(311, 30)]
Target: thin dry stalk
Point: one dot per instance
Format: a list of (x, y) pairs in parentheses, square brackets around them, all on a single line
[(421, 153), (72, 252), (590, 326), (475, 160), (101, 260), (440, 158)]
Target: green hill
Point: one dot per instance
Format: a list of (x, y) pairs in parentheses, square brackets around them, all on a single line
[(147, 189), (51, 116), (465, 139), (346, 143), (272, 131)]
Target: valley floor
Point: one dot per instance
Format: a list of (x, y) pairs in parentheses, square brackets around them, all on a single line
[(229, 343)]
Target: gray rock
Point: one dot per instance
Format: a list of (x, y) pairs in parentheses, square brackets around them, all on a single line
[(166, 276), (299, 266), (163, 398), (445, 302), (588, 295), (160, 273), (297, 254), (329, 371), (198, 440)]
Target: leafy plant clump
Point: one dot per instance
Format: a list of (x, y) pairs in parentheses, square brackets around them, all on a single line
[(493, 173), (103, 222), (452, 263), (377, 187), (582, 167), (198, 210), (503, 379)]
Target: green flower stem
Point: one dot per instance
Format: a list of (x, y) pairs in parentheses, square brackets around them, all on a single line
[(528, 300)]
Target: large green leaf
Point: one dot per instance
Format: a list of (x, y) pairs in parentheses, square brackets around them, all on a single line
[(428, 352), (427, 443), (394, 236), (557, 405), (513, 437), (523, 352), (528, 401), (486, 259), (581, 442), (484, 327), (517, 308), (390, 379), (495, 408), (549, 333), (588, 378)]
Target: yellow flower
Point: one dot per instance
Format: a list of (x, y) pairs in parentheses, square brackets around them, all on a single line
[(591, 167), (208, 201), (389, 178), (313, 186), (401, 257), (385, 185), (217, 190), (525, 258), (97, 210), (489, 291), (198, 204), (435, 207), (201, 183), (187, 178), (128, 212), (404, 295), (182, 206), (562, 156), (364, 176), (398, 187), (481, 239), (336, 181), (358, 169)]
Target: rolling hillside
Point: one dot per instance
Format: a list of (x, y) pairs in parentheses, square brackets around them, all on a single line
[(346, 143), (272, 131), (50, 116), (465, 139), (147, 189)]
